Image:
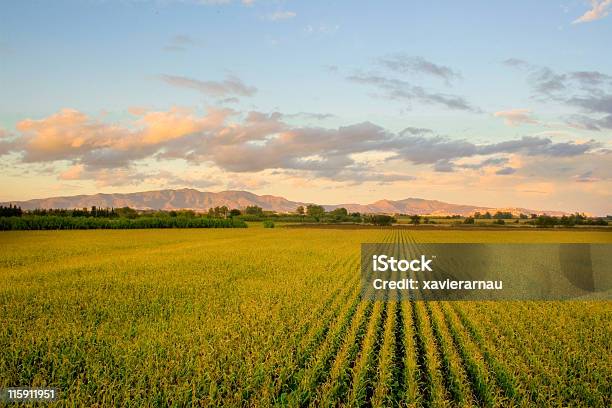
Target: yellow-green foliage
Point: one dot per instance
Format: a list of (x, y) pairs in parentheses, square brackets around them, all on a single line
[(261, 317)]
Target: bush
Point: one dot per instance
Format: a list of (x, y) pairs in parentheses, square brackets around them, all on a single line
[(52, 222), (381, 220), (268, 224)]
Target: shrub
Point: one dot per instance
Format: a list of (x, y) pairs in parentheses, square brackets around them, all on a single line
[(380, 219), (268, 224), (53, 222)]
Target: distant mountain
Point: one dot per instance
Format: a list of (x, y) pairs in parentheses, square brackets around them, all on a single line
[(202, 201), (433, 207), (165, 200)]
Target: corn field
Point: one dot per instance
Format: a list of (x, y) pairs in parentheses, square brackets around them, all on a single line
[(273, 317)]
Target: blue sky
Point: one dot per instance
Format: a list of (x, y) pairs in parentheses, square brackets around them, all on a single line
[(475, 72)]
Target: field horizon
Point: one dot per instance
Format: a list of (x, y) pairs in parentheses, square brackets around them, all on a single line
[(192, 199)]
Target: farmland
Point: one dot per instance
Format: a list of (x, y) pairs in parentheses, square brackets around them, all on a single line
[(263, 317)]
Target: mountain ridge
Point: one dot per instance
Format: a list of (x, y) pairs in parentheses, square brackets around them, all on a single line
[(192, 199)]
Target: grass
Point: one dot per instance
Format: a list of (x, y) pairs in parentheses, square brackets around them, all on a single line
[(261, 317)]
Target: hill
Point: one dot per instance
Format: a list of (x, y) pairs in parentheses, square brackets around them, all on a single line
[(202, 201)]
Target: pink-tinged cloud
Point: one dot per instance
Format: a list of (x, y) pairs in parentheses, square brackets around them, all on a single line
[(72, 135), (255, 142), (599, 10), (515, 117), (73, 173)]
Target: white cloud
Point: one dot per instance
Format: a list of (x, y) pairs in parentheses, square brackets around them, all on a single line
[(281, 15), (515, 117), (599, 10), (231, 86)]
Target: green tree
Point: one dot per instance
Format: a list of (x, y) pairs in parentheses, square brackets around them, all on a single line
[(253, 210), (315, 211), (127, 212), (380, 219), (340, 211)]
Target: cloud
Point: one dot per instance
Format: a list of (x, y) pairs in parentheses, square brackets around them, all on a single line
[(599, 10), (590, 91), (443, 153), (596, 103), (281, 15), (515, 62), (7, 142), (402, 63), (515, 117), (489, 162), (402, 90), (254, 142), (589, 123), (212, 2), (588, 79), (539, 146), (310, 115), (181, 42), (592, 168), (547, 82), (505, 171), (444, 166), (72, 135), (231, 86), (321, 29), (415, 131), (73, 173), (247, 3), (586, 177), (601, 103)]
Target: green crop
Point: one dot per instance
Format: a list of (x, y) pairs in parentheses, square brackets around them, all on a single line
[(263, 317)]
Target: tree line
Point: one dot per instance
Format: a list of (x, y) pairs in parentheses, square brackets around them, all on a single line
[(224, 217), (56, 222), (14, 218), (567, 220), (313, 213)]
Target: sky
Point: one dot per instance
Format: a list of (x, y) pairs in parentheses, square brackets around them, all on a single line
[(501, 104)]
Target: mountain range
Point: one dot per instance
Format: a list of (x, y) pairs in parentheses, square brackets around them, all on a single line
[(202, 201)]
